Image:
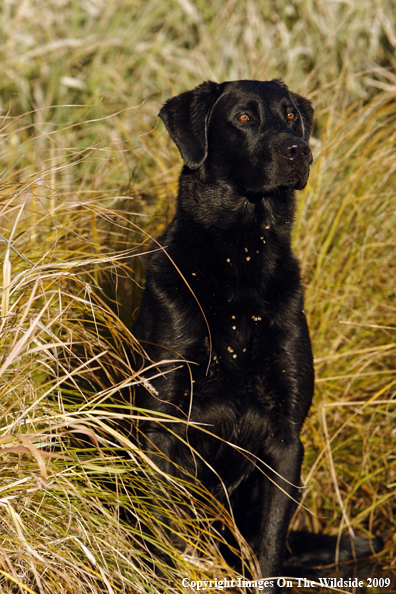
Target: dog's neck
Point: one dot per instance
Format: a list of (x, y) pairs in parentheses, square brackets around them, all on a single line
[(222, 207)]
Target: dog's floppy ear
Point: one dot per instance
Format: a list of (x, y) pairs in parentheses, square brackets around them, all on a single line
[(186, 118), (306, 111)]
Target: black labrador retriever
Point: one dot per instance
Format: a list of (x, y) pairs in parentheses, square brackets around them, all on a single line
[(223, 305)]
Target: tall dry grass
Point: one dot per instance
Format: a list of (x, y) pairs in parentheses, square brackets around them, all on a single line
[(87, 177)]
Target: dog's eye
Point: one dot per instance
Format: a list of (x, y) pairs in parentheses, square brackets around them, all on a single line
[(291, 116), (244, 117)]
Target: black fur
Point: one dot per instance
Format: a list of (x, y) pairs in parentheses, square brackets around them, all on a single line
[(224, 301)]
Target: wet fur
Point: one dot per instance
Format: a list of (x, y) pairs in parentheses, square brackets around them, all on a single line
[(224, 301)]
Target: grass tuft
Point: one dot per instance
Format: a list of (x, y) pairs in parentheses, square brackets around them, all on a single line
[(88, 176)]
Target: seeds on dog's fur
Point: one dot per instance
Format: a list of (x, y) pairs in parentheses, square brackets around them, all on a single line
[(267, 227), (230, 349), (193, 274), (233, 318), (228, 260), (246, 250), (234, 356), (248, 258), (234, 327)]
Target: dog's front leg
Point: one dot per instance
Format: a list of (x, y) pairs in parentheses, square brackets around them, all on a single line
[(280, 496)]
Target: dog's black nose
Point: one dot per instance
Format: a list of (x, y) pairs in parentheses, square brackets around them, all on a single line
[(296, 150)]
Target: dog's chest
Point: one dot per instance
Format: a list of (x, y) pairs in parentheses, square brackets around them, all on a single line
[(243, 427), (245, 389), (243, 328), (247, 316)]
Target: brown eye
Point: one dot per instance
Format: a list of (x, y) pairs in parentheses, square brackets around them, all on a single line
[(244, 117), (291, 116)]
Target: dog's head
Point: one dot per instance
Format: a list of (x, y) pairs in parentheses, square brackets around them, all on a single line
[(251, 134)]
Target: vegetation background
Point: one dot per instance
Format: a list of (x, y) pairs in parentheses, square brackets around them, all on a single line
[(88, 175)]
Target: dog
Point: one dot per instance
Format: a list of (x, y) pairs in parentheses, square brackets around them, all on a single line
[(223, 308)]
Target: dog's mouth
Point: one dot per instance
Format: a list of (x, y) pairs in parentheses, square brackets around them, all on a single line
[(293, 183), (286, 176), (301, 184), (297, 178)]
